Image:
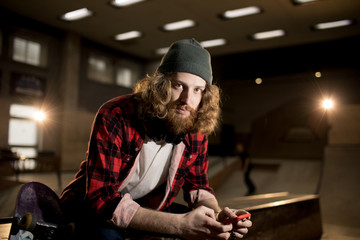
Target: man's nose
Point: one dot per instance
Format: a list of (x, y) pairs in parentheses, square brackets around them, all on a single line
[(185, 96)]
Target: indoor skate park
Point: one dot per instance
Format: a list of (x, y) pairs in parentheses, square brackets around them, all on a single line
[(304, 152)]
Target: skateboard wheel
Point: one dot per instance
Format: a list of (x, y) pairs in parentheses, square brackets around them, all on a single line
[(27, 222)]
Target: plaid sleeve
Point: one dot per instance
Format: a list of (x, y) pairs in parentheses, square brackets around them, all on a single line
[(104, 163), (197, 176)]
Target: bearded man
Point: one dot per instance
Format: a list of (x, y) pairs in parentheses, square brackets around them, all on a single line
[(147, 146)]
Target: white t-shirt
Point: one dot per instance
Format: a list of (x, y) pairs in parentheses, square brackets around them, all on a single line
[(152, 169)]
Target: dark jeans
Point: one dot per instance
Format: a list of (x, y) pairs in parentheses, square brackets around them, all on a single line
[(249, 183), (104, 231)]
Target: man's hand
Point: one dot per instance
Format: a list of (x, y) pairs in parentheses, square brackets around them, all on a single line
[(201, 224), (240, 228)]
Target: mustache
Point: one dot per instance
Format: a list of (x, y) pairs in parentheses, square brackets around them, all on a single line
[(184, 107)]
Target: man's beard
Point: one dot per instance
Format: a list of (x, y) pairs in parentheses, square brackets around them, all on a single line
[(178, 124)]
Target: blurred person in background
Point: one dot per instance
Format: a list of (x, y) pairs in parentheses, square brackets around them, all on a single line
[(246, 167)]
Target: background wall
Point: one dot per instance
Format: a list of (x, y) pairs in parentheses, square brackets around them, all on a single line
[(345, 125), (287, 102), (12, 25), (289, 99)]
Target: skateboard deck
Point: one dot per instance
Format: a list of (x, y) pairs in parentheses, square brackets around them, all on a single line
[(38, 215)]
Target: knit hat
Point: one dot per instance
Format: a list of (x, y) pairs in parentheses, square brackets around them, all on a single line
[(187, 56)]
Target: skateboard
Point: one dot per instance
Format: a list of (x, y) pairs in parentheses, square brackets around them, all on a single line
[(38, 215)]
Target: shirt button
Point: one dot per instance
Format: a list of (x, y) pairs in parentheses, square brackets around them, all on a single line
[(190, 156), (128, 159), (136, 149)]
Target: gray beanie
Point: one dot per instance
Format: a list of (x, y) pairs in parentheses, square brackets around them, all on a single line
[(187, 56)]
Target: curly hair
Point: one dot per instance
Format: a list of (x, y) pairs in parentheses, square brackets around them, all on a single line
[(154, 93)]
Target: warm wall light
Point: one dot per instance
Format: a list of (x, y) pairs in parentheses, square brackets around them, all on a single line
[(268, 34), (124, 3), (334, 24), (77, 14), (241, 12), (187, 23), (128, 35), (327, 104), (39, 116), (258, 81)]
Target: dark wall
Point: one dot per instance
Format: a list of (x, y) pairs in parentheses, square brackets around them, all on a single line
[(287, 73), (342, 53), (288, 77), (294, 130)]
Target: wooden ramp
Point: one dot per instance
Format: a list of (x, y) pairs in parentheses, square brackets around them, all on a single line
[(5, 225), (281, 216)]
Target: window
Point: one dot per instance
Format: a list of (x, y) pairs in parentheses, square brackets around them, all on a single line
[(100, 69), (109, 69), (124, 77), (127, 73), (23, 134), (29, 52)]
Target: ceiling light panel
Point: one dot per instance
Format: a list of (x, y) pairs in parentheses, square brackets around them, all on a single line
[(241, 12), (77, 14), (204, 44), (161, 51), (124, 3), (334, 24), (128, 35), (213, 43), (303, 1), (268, 34), (187, 23)]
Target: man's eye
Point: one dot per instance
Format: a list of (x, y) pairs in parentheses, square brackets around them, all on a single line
[(178, 85)]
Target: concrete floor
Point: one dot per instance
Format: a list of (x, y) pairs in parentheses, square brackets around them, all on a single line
[(294, 176)]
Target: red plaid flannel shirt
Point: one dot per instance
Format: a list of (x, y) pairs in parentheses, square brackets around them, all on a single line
[(116, 139)]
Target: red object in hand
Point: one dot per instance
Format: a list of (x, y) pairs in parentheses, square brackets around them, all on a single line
[(232, 220)]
